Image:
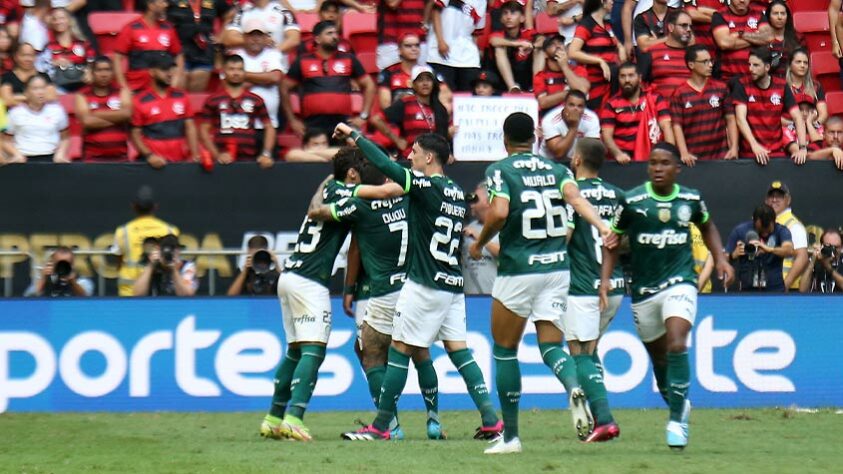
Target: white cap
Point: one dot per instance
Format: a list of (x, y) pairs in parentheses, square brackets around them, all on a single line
[(58, 3), (419, 70), (255, 24)]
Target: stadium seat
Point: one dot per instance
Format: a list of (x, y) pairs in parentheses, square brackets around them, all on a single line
[(808, 6), (68, 103), (288, 141), (307, 21), (826, 69), (546, 24), (197, 100), (361, 30), (814, 27), (369, 59), (106, 26), (835, 102)]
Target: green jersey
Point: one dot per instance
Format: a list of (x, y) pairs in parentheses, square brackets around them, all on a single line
[(437, 211), (585, 246), (383, 236), (319, 242), (533, 237), (659, 236)]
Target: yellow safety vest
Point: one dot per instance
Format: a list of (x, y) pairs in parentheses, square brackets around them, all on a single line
[(788, 220), (129, 240), (700, 253)]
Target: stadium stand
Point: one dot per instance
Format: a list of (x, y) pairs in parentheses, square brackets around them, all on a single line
[(361, 30), (106, 26), (826, 69), (813, 25)]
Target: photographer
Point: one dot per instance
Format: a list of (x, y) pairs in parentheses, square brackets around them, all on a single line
[(58, 278), (479, 274), (824, 265), (165, 273), (757, 250), (260, 273)]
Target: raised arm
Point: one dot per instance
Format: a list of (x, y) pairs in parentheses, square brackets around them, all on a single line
[(391, 169)]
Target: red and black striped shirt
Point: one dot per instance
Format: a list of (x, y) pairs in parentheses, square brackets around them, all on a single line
[(666, 68), (406, 18), (764, 110), (162, 122), (551, 82), (735, 62), (397, 80), (78, 52), (647, 23), (624, 118), (105, 144), (142, 43), (599, 41), (702, 116), (326, 82), (520, 59), (233, 122), (414, 118), (702, 31)]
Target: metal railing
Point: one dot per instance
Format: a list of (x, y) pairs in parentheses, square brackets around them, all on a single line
[(36, 264)]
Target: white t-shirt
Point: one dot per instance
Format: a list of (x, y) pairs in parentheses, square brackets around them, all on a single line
[(554, 126), (277, 20), (568, 31), (479, 275), (268, 60), (298, 5), (458, 24), (34, 32), (37, 133)]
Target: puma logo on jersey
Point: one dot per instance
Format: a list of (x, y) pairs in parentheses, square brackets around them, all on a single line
[(643, 212)]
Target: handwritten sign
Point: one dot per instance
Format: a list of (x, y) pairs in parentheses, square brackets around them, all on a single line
[(480, 121)]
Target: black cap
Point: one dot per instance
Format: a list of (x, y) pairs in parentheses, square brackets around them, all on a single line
[(778, 186), (550, 39), (169, 240), (519, 127), (145, 197), (162, 61), (487, 76)]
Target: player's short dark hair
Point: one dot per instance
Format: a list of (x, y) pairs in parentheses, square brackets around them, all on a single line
[(519, 128), (436, 144), (693, 52), (512, 6), (369, 174), (668, 147), (592, 151), (258, 242), (628, 65), (329, 4), (763, 53), (578, 94), (312, 133), (345, 159), (232, 59), (765, 214)]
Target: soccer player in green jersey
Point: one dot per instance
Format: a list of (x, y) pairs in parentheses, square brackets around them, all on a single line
[(379, 245), (431, 304), (306, 305), (657, 217), (584, 320), (528, 195)]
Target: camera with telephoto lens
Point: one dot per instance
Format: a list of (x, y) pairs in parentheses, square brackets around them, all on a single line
[(263, 280), (167, 254), (261, 262), (828, 251), (62, 269), (751, 251)]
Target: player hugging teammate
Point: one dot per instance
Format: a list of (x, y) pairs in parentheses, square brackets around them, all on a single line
[(557, 269)]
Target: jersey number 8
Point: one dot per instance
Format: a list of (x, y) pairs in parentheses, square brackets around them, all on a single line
[(539, 221)]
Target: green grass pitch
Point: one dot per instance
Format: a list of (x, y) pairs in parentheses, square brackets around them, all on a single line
[(722, 441)]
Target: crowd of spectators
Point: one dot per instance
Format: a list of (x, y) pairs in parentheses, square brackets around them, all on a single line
[(721, 81)]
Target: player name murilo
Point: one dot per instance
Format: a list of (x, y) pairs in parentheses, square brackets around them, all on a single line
[(542, 180)]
